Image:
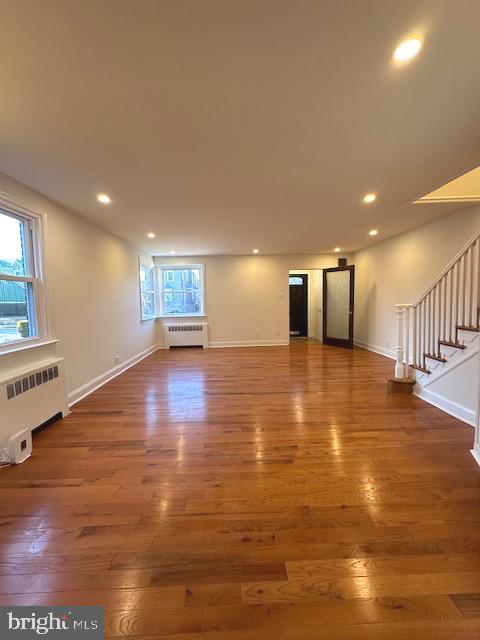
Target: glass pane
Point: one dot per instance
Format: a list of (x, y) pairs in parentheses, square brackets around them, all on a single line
[(295, 280), (146, 278), (185, 302), (181, 279), (148, 304), (16, 315), (338, 304), (12, 252)]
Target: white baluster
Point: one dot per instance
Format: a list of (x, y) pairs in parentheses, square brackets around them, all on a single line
[(399, 366), (407, 342), (471, 306), (414, 334), (450, 321)]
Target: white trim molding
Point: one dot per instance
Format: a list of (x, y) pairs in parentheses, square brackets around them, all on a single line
[(476, 454), (89, 387), (454, 409), (388, 353)]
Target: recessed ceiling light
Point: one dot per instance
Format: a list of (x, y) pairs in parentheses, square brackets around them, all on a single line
[(172, 252), (369, 197), (337, 249), (150, 235), (255, 251), (103, 198), (407, 49), (373, 232)]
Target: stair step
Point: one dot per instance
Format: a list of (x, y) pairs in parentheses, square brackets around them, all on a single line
[(435, 357), (419, 368), (463, 327), (457, 345)]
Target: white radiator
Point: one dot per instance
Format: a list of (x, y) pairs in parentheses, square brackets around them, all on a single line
[(29, 396), (193, 334)]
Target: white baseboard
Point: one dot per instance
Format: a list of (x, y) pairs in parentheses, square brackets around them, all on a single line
[(248, 343), (476, 454), (452, 408), (388, 353), (86, 389)]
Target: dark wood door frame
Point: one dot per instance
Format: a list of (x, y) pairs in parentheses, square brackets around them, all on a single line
[(304, 277), (338, 342)]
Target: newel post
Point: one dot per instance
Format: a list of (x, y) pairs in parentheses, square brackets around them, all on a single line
[(476, 443), (399, 366)]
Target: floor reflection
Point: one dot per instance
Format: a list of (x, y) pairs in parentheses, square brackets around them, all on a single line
[(186, 395)]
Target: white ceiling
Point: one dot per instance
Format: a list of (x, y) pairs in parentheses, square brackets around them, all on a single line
[(223, 125)]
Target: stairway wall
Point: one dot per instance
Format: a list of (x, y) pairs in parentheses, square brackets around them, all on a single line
[(455, 389), (400, 269)]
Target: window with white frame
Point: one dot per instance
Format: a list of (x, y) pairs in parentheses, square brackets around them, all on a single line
[(147, 292), (181, 290), (21, 291)]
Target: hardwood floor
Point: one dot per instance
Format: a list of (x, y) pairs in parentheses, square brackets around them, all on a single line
[(264, 494)]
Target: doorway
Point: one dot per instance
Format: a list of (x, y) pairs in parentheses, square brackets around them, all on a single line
[(338, 306), (298, 287)]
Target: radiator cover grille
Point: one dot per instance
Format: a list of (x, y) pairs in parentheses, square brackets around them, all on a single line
[(193, 334), (26, 383)]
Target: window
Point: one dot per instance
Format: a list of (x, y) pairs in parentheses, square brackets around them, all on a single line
[(295, 280), (181, 290), (147, 292), (20, 284)]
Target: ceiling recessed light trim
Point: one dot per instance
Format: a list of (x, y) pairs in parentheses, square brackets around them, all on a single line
[(172, 252), (373, 232), (337, 249), (150, 234), (255, 251), (407, 49), (368, 198), (104, 198)]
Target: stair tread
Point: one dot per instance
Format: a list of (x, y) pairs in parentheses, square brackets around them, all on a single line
[(457, 345), (435, 357), (417, 366), (465, 327)]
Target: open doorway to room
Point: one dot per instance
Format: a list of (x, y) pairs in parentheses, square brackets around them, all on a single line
[(305, 304)]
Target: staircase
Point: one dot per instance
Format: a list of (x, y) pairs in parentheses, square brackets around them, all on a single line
[(440, 332)]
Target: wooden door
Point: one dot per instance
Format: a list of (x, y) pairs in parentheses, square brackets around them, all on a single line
[(298, 285), (338, 306)]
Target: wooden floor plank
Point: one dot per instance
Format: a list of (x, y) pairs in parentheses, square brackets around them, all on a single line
[(250, 494)]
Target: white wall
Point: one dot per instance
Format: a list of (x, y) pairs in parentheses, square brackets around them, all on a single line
[(456, 390), (247, 297), (399, 270), (93, 288)]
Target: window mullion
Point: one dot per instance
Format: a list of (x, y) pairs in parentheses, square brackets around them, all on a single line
[(4, 276)]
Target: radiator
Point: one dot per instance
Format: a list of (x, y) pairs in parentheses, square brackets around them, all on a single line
[(29, 396), (186, 335)]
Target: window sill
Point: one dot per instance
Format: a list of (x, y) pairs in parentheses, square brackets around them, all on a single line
[(25, 346), (148, 318), (181, 315)]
